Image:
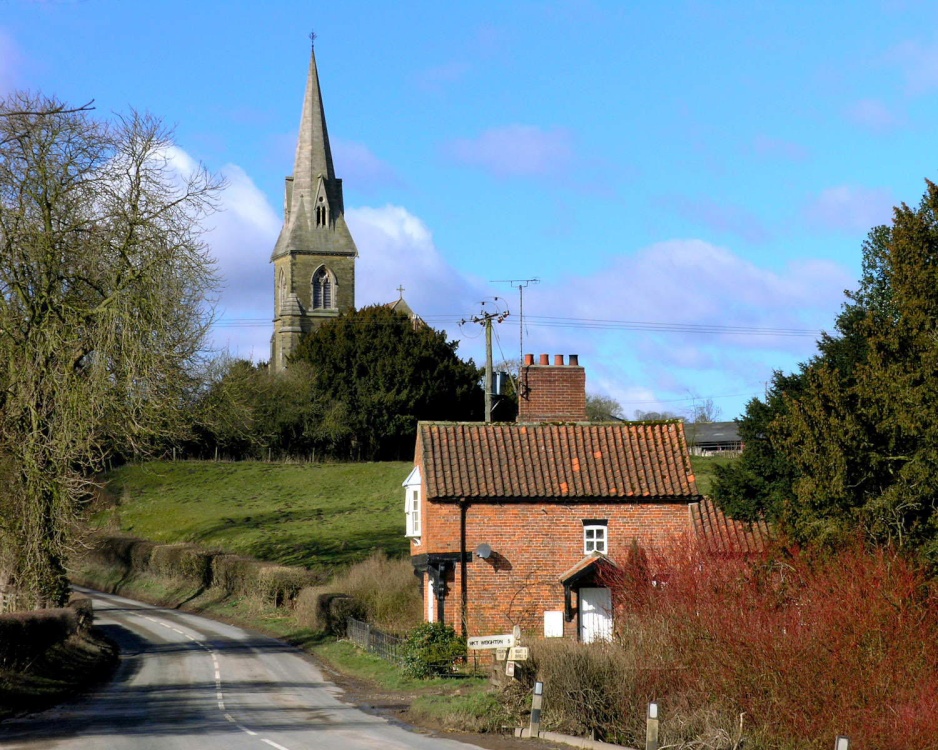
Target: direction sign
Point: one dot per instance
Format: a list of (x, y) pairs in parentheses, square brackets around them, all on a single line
[(480, 642), (519, 653)]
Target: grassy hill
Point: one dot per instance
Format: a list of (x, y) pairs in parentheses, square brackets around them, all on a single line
[(295, 514)]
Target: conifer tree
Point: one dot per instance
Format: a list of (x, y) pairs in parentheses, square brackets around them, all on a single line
[(851, 440), (385, 373)]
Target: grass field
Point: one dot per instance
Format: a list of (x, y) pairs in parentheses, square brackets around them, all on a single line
[(295, 514), (704, 470)]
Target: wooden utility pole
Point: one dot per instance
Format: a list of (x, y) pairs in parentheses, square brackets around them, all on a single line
[(520, 285), (488, 370), (486, 319)]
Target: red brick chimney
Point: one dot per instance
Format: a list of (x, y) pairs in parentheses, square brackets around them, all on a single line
[(552, 393)]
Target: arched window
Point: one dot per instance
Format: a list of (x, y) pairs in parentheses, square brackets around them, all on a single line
[(323, 289), (322, 213)]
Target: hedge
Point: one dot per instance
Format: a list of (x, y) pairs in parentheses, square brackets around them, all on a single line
[(26, 635)]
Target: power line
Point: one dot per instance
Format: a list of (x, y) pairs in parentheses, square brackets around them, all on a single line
[(711, 329)]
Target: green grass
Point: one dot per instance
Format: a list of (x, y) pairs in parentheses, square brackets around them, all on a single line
[(295, 514), (704, 470)]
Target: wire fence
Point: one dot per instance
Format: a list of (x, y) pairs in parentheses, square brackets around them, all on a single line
[(387, 646)]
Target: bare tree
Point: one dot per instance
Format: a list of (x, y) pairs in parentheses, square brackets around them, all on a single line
[(603, 408), (705, 411), (103, 285)]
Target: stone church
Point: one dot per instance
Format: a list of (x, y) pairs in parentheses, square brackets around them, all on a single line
[(314, 258)]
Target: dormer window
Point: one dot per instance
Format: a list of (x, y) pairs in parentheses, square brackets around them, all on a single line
[(323, 289)]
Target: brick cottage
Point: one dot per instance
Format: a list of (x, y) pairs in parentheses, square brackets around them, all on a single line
[(509, 523)]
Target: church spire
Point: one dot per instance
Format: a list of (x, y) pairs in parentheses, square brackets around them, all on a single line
[(313, 153), (314, 258), (313, 202)]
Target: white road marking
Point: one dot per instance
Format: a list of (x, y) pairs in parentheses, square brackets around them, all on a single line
[(219, 694)]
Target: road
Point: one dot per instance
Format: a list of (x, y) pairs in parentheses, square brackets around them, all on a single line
[(189, 682)]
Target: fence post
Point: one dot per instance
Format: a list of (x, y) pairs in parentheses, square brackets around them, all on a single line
[(536, 702), (651, 727), (842, 743)]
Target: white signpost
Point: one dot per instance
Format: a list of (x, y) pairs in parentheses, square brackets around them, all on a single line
[(481, 642), (519, 653)]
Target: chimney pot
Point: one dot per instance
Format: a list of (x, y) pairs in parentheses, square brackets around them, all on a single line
[(574, 360), (545, 359), (558, 360), (528, 360)]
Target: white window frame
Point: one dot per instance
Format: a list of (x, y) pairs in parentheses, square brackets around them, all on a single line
[(595, 538), (412, 505)]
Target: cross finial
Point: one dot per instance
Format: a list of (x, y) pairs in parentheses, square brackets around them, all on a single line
[(312, 39), (400, 289)]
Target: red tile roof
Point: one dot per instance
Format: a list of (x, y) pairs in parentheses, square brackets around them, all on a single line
[(575, 461), (719, 533), (581, 568)]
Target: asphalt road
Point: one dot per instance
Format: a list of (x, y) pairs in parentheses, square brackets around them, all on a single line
[(189, 682)]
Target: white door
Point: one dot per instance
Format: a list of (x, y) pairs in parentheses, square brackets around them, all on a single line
[(595, 615)]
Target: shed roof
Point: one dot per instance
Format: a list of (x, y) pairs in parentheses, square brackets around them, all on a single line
[(712, 432), (556, 461), (720, 533)]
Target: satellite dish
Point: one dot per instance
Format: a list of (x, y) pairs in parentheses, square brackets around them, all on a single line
[(484, 551)]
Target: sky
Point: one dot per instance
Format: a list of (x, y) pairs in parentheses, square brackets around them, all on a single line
[(676, 192)]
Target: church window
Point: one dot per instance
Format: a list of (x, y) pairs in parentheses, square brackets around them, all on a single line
[(322, 216), (323, 290)]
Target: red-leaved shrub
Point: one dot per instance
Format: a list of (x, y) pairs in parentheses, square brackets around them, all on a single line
[(808, 645)]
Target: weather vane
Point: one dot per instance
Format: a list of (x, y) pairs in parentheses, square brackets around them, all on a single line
[(312, 39)]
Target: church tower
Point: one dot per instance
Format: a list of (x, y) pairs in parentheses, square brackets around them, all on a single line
[(314, 258)]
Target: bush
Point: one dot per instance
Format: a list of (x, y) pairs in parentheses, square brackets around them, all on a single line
[(26, 635), (127, 553), (244, 576), (806, 646), (432, 649), (182, 562), (388, 591)]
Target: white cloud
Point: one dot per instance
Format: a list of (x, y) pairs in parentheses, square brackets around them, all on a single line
[(718, 216), (662, 298), (850, 208), (441, 77), (919, 64), (241, 237), (674, 283), (778, 148), (516, 151), (9, 62), (874, 115), (396, 249), (357, 164)]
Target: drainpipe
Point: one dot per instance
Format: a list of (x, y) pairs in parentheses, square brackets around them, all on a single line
[(463, 572)]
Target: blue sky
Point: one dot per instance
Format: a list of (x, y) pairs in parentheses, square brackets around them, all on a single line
[(690, 182)]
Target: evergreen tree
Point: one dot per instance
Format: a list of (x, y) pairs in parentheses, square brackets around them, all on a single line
[(385, 373), (851, 440)]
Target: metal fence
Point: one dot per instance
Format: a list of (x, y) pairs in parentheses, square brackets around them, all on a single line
[(385, 645)]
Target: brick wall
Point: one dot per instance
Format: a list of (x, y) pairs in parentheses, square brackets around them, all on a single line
[(552, 393), (533, 544)]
